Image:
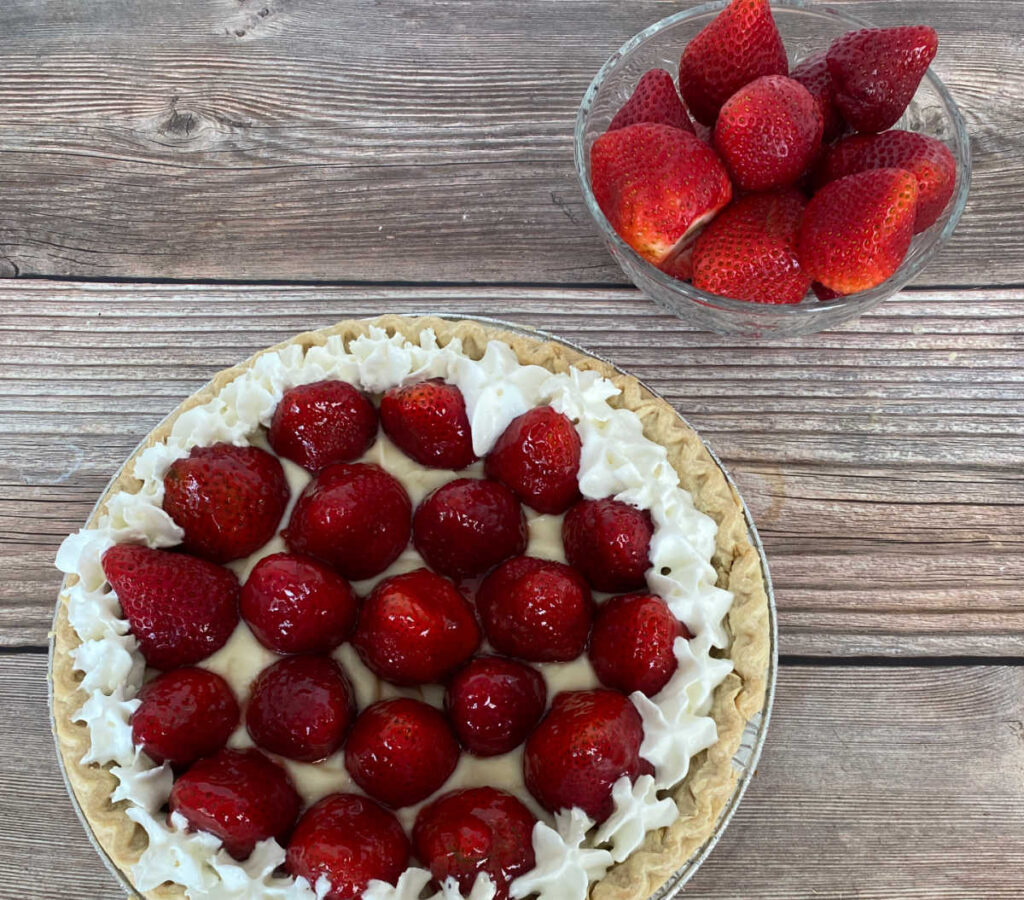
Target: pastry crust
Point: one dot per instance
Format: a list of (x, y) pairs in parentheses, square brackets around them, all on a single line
[(712, 777)]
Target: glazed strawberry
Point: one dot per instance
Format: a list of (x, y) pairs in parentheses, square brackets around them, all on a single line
[(654, 100), (538, 457), (415, 628), (875, 72), (749, 251), (321, 423), (586, 742), (856, 230), (295, 604), (657, 186), (400, 751), (475, 830), (427, 421), (493, 704), (352, 516), (768, 132), (349, 840), (184, 714), (239, 796), (468, 526), (180, 609), (680, 266), (536, 609), (608, 542), (740, 44), (228, 500), (300, 707), (812, 73)]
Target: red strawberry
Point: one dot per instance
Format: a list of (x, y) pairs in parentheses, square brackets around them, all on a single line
[(768, 132), (680, 266), (538, 457), (875, 72), (654, 100), (812, 73), (536, 609), (239, 796), (824, 293), (400, 751), (326, 422), (352, 516), (180, 609), (184, 714), (427, 421), (740, 44), (229, 500), (294, 604), (493, 704), (586, 742), (749, 251), (300, 707), (349, 840), (657, 186), (856, 230), (468, 526), (476, 830), (415, 628), (608, 542)]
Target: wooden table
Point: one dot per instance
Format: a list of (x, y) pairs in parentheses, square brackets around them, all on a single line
[(186, 181)]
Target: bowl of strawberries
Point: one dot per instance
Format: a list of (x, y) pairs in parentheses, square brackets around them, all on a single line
[(772, 169)]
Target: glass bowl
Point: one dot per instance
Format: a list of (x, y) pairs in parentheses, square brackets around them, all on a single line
[(805, 29)]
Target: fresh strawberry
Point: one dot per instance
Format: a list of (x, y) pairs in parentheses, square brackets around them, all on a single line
[(608, 542), (812, 73), (476, 830), (657, 186), (228, 500), (400, 751), (239, 796), (856, 230), (180, 609), (740, 44), (352, 516), (321, 423), (536, 609), (350, 841), (427, 421), (493, 704), (586, 742), (875, 72), (468, 526), (824, 293), (749, 251), (538, 457), (680, 266), (654, 100), (415, 628), (184, 714)]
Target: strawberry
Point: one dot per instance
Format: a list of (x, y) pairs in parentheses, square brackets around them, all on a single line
[(228, 500), (749, 251), (654, 100), (824, 293), (536, 609), (415, 628), (184, 714), (812, 73), (928, 159), (657, 186), (427, 421), (768, 132), (608, 542), (680, 266), (740, 44), (400, 751), (875, 72), (239, 796), (538, 457), (330, 519), (180, 609), (321, 423), (475, 830), (856, 230), (350, 841)]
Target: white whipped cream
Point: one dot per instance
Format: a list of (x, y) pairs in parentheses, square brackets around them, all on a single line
[(565, 866), (637, 811)]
